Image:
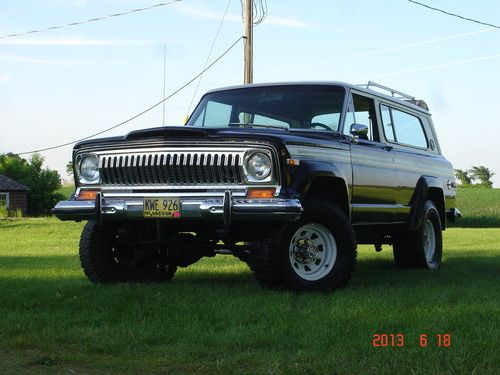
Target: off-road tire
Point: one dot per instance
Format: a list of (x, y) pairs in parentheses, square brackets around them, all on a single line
[(272, 267), (409, 247), (261, 262), (100, 266)]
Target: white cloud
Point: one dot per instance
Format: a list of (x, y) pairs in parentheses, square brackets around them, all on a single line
[(438, 66), (4, 77), (36, 61), (69, 42), (201, 12), (77, 3), (23, 59), (284, 21)]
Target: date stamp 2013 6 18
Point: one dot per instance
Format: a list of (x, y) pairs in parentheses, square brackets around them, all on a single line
[(382, 340)]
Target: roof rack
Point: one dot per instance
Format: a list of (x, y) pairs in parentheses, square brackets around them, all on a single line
[(397, 94), (393, 92)]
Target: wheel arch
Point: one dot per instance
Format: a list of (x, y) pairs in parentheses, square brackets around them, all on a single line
[(322, 180), (427, 188), (332, 189)]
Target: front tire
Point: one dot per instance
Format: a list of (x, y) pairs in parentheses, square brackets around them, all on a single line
[(316, 253), (422, 248), (106, 258)]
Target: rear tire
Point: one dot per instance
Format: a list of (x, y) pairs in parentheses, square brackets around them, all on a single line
[(105, 259), (422, 248), (316, 253)]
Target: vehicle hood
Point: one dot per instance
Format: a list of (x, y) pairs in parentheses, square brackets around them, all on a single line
[(192, 134)]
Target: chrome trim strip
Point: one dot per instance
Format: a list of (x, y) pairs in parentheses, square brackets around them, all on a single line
[(208, 195), (205, 190)]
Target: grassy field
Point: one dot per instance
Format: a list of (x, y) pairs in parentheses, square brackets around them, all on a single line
[(67, 190), (480, 207), (213, 318)]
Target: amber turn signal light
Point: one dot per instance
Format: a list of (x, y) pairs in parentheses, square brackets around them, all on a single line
[(87, 195), (261, 193)]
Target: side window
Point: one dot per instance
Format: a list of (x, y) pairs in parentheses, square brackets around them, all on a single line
[(4, 200), (387, 123), (363, 113), (408, 129), (215, 114)]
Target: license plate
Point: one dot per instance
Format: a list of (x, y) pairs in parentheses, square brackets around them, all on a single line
[(162, 207)]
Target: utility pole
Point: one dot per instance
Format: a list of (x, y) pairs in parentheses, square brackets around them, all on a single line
[(248, 41)]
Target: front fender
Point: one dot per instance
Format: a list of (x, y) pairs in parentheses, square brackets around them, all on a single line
[(308, 170)]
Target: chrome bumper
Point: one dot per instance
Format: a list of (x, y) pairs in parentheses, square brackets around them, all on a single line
[(225, 208)]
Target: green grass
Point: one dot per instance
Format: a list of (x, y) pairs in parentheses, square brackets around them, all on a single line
[(213, 318), (67, 190), (480, 207)]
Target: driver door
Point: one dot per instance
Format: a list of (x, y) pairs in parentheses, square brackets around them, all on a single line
[(373, 167)]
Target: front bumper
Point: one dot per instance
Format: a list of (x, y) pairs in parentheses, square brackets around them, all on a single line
[(225, 208), (453, 214)]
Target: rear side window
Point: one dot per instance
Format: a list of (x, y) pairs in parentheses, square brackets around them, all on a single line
[(402, 127)]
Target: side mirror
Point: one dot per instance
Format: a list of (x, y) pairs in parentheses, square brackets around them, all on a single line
[(359, 131)]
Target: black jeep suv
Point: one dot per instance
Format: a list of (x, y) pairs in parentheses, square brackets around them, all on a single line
[(288, 177)]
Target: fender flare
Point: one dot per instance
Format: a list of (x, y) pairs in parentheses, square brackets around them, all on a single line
[(309, 170), (417, 202)]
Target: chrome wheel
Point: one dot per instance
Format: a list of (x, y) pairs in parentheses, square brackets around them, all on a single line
[(429, 241), (312, 251)]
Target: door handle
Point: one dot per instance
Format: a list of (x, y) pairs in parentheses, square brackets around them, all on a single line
[(387, 148)]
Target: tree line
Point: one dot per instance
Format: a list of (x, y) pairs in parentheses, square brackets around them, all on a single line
[(480, 175)]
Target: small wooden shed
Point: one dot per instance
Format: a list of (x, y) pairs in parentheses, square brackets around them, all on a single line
[(13, 194)]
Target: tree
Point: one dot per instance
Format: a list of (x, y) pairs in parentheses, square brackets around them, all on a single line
[(463, 176), (42, 182), (482, 174)]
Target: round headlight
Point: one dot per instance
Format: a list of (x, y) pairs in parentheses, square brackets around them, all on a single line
[(89, 169), (259, 166)]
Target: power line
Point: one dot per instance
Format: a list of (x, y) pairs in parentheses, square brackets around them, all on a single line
[(453, 14), (89, 20), (209, 55), (143, 112), (438, 66), (259, 11)]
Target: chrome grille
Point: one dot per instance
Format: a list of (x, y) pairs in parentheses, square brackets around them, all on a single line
[(172, 168)]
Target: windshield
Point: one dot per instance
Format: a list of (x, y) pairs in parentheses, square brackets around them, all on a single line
[(290, 107)]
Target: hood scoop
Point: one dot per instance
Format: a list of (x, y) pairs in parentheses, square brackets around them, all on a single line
[(168, 131)]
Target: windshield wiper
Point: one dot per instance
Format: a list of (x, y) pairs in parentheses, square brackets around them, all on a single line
[(252, 125)]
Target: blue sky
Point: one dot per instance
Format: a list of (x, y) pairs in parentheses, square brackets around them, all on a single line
[(64, 84)]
